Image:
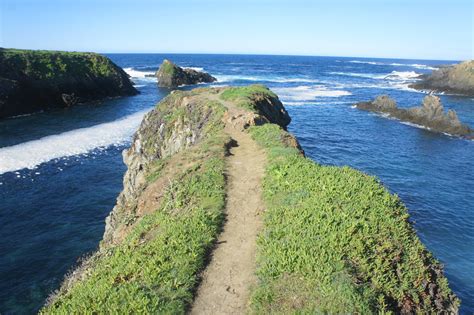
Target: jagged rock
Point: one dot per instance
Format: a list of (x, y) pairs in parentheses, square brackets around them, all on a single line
[(458, 79), (431, 114), (32, 81), (171, 76)]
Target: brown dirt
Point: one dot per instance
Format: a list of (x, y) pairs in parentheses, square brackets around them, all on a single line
[(231, 272)]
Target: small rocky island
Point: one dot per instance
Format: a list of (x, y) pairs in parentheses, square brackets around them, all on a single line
[(32, 81), (430, 114), (458, 79), (171, 76)]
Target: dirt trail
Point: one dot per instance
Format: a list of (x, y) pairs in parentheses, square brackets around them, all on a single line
[(226, 281)]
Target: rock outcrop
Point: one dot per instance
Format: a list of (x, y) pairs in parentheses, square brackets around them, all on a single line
[(165, 224), (32, 81), (171, 76), (458, 79), (430, 114)]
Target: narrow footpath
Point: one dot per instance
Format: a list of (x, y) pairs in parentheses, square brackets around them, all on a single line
[(227, 280)]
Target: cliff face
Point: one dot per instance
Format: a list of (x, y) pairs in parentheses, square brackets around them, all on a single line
[(171, 76), (32, 81), (457, 79), (430, 114), (334, 240)]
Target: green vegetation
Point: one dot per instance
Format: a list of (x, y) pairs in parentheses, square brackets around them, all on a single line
[(49, 65), (335, 241), (245, 96), (155, 269), (168, 68)]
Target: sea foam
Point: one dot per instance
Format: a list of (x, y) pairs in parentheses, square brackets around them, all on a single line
[(137, 73), (231, 78), (32, 153), (307, 93)]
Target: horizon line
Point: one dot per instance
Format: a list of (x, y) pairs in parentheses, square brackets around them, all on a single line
[(241, 54)]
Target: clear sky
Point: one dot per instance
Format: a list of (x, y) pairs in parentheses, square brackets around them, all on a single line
[(418, 29)]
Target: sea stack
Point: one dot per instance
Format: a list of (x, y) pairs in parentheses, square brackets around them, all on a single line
[(171, 76), (458, 79), (32, 81), (430, 114)]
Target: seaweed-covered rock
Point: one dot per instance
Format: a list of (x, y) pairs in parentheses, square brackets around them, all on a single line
[(458, 78), (430, 114), (171, 76), (32, 81)]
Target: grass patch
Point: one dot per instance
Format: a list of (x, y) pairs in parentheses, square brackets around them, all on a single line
[(168, 68), (245, 96), (155, 269), (51, 65), (335, 241)]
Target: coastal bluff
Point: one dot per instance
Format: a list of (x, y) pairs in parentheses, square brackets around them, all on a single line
[(36, 80), (430, 114), (171, 76), (457, 79), (222, 213)]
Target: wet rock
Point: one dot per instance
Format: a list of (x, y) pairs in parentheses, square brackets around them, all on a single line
[(430, 114), (458, 79)]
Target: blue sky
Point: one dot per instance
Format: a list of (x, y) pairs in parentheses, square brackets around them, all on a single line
[(418, 29)]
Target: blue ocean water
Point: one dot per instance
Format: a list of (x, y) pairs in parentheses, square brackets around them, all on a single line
[(61, 171)]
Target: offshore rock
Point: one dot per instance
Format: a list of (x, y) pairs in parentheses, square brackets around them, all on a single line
[(430, 114), (171, 76), (457, 79)]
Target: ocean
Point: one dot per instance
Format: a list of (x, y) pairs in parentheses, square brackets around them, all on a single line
[(61, 171)]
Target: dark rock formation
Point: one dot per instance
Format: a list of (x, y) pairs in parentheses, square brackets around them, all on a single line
[(171, 76), (32, 81), (431, 114), (457, 79)]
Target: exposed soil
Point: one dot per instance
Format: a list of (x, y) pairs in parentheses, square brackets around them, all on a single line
[(231, 272)]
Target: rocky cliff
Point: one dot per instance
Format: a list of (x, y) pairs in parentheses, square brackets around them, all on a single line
[(458, 79), (171, 76), (32, 81), (333, 239), (430, 114)]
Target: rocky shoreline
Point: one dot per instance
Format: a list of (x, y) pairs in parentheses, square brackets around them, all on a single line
[(430, 114), (171, 76), (36, 80), (456, 79)]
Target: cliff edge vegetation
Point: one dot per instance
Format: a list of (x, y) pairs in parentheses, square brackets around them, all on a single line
[(222, 212), (35, 80), (458, 79)]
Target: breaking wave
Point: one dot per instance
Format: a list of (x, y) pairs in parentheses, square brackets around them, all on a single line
[(32, 153), (138, 73), (414, 65), (232, 78), (307, 93)]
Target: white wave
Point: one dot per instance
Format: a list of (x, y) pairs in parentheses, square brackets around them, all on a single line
[(414, 65), (231, 78), (195, 68), (365, 62), (293, 103), (402, 75), (137, 73), (359, 75), (32, 153), (307, 93)]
